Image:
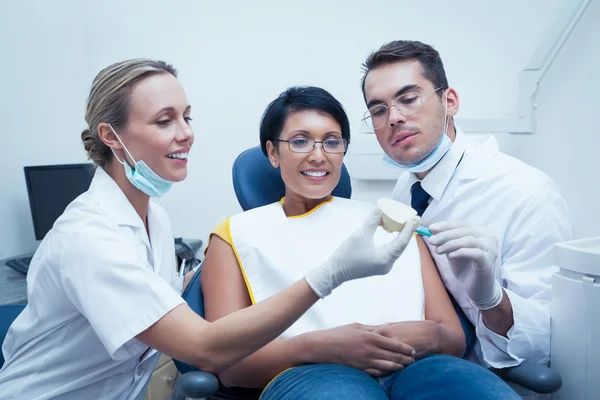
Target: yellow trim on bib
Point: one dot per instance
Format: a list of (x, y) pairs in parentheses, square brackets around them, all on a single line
[(311, 211), (239, 260), (220, 231)]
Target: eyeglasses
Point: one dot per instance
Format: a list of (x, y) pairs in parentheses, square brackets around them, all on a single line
[(302, 144), (407, 104)]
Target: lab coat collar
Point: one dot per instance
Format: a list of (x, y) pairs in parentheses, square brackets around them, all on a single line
[(113, 201), (466, 160)]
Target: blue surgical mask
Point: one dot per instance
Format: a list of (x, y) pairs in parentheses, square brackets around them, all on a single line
[(432, 158), (141, 175)]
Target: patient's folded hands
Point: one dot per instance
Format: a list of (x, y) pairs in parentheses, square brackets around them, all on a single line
[(417, 334), (359, 346)]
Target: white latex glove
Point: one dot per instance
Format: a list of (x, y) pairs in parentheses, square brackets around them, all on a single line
[(472, 252), (357, 257)]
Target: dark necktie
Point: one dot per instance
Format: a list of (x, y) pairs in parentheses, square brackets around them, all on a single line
[(419, 198)]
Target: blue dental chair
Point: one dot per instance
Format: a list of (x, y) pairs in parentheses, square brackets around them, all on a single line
[(257, 183)]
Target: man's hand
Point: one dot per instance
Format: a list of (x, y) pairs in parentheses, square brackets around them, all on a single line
[(358, 346), (472, 252)]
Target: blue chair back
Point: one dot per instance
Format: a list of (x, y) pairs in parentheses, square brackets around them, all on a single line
[(257, 183), (195, 300), (8, 313)]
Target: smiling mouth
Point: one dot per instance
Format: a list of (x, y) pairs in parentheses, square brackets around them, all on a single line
[(315, 174), (178, 156)]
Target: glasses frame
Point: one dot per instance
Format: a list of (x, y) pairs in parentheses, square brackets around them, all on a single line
[(344, 141), (424, 97)]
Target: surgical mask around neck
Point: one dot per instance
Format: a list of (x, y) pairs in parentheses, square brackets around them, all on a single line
[(141, 175), (432, 158)]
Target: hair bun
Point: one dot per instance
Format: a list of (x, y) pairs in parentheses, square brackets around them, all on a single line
[(88, 140)]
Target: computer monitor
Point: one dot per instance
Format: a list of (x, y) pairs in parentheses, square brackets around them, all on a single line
[(51, 188)]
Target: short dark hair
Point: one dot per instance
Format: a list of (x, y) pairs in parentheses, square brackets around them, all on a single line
[(401, 50), (299, 98)]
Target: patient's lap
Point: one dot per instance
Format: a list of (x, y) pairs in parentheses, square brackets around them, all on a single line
[(324, 381), (433, 377)]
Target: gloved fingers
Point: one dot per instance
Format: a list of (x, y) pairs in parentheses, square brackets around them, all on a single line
[(440, 238), (476, 255), (396, 246), (446, 226), (372, 221), (465, 242)]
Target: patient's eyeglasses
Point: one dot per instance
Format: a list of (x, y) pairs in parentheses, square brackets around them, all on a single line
[(303, 144)]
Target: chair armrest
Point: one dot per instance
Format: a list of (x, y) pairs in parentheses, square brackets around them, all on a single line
[(535, 377), (196, 385)]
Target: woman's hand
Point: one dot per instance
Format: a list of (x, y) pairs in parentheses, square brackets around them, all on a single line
[(422, 335), (358, 346)]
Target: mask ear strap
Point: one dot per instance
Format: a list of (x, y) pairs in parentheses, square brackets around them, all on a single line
[(115, 154), (445, 132), (122, 144)]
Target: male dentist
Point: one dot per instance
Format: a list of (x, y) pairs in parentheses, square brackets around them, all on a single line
[(495, 219)]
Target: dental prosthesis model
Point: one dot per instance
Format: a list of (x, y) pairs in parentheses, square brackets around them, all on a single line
[(395, 215)]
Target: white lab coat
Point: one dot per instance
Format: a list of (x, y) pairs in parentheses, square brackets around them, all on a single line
[(523, 207), (95, 282)]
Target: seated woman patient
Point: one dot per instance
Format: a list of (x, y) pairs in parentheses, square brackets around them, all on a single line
[(255, 254)]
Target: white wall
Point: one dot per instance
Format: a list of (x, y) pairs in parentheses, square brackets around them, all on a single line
[(235, 57), (567, 143), (43, 84)]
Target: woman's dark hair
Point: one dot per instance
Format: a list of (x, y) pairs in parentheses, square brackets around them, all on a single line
[(299, 98)]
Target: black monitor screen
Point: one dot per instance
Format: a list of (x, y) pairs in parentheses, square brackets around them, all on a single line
[(51, 188)]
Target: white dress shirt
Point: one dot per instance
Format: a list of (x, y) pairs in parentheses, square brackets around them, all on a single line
[(524, 208), (96, 281)]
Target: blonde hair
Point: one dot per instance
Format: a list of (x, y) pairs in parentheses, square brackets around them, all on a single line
[(108, 101)]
